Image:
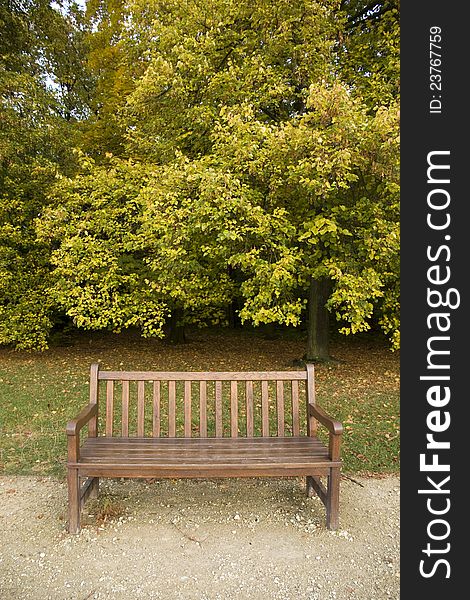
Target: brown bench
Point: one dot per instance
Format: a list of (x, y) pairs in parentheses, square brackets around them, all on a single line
[(166, 434)]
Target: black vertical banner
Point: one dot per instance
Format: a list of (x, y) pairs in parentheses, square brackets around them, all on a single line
[(435, 311)]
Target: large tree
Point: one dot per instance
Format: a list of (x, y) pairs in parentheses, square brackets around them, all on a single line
[(266, 178), (255, 87)]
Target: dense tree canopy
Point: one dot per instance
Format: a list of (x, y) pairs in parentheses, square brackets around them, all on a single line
[(29, 150), (226, 151)]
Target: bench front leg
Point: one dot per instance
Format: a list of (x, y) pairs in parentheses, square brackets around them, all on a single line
[(332, 494), (73, 482), (332, 499), (73, 479)]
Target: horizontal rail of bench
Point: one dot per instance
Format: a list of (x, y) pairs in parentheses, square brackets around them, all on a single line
[(196, 472), (202, 376)]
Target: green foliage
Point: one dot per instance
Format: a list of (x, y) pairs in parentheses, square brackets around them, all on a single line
[(200, 58), (369, 50), (25, 309), (333, 173), (229, 150), (110, 77), (31, 147), (99, 280)]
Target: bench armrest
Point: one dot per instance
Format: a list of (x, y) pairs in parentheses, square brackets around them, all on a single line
[(74, 426), (333, 426)]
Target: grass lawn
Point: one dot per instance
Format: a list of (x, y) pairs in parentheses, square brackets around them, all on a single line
[(40, 392)]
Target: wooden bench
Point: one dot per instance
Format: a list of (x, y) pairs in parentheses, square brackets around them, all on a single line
[(165, 433)]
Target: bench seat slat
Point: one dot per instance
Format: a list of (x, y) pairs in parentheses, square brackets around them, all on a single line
[(218, 457), (186, 462), (201, 449), (204, 442), (197, 457), (215, 452), (206, 455)]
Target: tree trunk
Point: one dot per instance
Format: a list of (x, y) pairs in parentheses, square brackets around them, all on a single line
[(234, 321), (318, 321), (176, 333)]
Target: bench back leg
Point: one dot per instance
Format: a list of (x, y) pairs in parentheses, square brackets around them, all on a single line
[(95, 488), (332, 499), (309, 486), (73, 482)]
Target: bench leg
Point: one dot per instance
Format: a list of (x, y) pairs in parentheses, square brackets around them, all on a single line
[(332, 499), (309, 486), (73, 482), (95, 488)]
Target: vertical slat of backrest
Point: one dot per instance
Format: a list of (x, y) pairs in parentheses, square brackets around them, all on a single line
[(140, 408), (249, 409), (311, 421), (125, 409), (234, 409), (295, 408), (93, 424), (171, 409), (187, 409), (264, 409), (109, 407), (280, 407), (203, 409), (156, 409), (218, 409)]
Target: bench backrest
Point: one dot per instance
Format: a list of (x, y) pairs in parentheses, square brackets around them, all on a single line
[(204, 404)]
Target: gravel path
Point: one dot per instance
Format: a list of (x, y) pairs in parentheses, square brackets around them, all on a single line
[(202, 540)]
